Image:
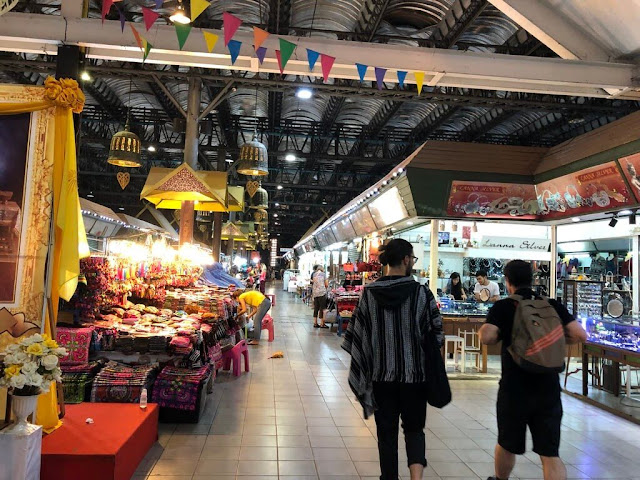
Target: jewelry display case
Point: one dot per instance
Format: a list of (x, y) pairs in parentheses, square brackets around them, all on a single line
[(583, 298)]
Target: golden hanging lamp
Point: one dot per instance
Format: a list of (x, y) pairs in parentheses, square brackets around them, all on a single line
[(125, 149), (260, 199), (254, 159)]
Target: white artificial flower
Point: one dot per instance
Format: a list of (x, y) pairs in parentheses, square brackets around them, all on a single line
[(9, 359), (49, 362), (57, 376), (18, 381), (60, 352), (13, 348), (29, 368), (21, 357), (37, 338), (35, 380)]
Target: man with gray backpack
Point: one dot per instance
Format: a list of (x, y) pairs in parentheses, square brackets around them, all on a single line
[(534, 332)]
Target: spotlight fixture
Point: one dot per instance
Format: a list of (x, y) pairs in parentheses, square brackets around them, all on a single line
[(304, 93), (90, 195), (279, 187), (121, 208), (277, 204), (151, 148), (625, 212), (290, 157), (575, 219), (179, 15), (324, 202), (275, 215), (409, 223), (85, 77), (613, 222)]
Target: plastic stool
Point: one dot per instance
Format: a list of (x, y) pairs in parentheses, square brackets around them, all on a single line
[(272, 298), (267, 324), (235, 354)]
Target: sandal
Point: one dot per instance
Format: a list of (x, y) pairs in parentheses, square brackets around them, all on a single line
[(253, 342), (324, 326), (315, 325)]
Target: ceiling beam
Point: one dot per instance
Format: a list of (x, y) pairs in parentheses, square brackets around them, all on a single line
[(457, 69)]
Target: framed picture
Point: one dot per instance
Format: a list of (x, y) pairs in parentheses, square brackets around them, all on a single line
[(26, 172)]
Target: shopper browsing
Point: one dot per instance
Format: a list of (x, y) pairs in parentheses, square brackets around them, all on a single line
[(529, 393), (387, 371), (255, 305), (485, 290), (319, 286), (455, 288)]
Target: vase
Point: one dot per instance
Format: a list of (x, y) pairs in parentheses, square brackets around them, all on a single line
[(22, 406)]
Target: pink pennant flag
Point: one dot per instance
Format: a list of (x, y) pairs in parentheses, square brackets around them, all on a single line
[(327, 64), (279, 57), (149, 17), (230, 23), (106, 6)]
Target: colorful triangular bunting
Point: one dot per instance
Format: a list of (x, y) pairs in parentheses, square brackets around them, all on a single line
[(327, 64), (159, 3), (106, 6), (137, 37), (286, 50), (123, 19), (197, 7), (149, 17), (147, 49), (259, 36), (401, 76), (234, 50), (279, 57), (211, 39), (261, 53), (230, 23), (312, 58), (362, 71), (182, 32), (419, 80), (380, 73)]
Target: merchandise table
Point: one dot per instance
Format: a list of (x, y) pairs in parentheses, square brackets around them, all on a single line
[(617, 356)]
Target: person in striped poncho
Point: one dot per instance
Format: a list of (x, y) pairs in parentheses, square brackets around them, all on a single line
[(387, 372)]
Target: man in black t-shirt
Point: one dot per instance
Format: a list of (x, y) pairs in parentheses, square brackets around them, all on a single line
[(524, 398)]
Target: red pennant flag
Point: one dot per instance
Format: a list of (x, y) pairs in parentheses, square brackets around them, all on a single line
[(279, 57), (106, 6), (137, 36), (327, 64), (230, 23), (149, 16)]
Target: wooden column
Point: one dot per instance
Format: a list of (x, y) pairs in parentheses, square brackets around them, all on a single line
[(190, 156)]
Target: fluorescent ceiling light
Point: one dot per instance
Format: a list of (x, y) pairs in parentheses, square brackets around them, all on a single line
[(290, 157), (304, 93), (279, 187), (151, 148)]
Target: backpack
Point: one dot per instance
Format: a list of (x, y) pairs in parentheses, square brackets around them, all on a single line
[(537, 342)]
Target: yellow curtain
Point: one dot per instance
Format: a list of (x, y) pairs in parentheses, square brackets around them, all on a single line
[(70, 242)]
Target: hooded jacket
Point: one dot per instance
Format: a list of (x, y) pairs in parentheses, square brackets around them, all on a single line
[(384, 335)]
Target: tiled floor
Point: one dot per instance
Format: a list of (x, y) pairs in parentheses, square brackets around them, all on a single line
[(295, 418)]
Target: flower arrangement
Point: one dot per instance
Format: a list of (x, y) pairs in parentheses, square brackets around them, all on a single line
[(29, 367)]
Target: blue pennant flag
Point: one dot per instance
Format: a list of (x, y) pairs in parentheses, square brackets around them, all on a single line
[(234, 50), (401, 76), (312, 57), (362, 70)]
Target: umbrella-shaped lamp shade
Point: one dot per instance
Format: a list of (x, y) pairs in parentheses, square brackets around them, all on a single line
[(231, 231), (125, 149), (260, 199), (253, 159), (168, 187)]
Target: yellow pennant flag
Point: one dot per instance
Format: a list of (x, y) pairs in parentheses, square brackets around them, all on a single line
[(211, 39), (419, 80), (197, 7)]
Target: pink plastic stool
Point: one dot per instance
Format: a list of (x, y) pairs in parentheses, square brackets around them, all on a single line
[(234, 354), (272, 298), (267, 324)]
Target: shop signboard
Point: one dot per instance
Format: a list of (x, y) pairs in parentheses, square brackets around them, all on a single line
[(388, 208), (591, 190), (492, 200), (631, 170), (519, 243)]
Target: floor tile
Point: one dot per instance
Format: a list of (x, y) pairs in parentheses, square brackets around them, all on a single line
[(220, 467), (295, 453), (342, 468), (331, 454), (259, 441), (258, 453), (451, 469), (174, 467), (293, 441), (296, 467)]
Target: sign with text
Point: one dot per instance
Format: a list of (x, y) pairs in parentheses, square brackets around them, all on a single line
[(591, 190), (512, 243), (492, 200)]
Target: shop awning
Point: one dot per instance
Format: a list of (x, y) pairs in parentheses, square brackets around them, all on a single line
[(136, 222), (99, 221)]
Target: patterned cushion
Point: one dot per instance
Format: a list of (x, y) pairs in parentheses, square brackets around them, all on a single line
[(76, 341)]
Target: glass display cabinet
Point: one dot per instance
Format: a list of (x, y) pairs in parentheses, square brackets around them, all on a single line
[(452, 308), (622, 333), (583, 298)]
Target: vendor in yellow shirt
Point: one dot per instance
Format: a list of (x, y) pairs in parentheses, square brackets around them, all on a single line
[(256, 306)]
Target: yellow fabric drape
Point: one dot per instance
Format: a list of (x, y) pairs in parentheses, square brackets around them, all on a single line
[(70, 241)]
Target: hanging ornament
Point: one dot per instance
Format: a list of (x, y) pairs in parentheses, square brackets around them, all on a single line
[(454, 227), (260, 200), (253, 159), (260, 216), (125, 149), (123, 179), (252, 187)]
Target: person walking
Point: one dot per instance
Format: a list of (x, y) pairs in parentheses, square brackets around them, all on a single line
[(528, 398), (263, 278), (319, 286), (255, 305), (387, 372)]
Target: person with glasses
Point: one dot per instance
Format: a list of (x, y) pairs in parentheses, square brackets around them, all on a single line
[(387, 371)]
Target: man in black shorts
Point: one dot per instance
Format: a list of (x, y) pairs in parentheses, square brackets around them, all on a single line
[(524, 398)]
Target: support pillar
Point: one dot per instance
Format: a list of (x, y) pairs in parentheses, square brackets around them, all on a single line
[(553, 279), (217, 216), (68, 62), (190, 156), (433, 258), (635, 274)]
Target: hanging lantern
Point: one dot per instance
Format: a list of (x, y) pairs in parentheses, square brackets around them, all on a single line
[(260, 216), (253, 159), (260, 199), (125, 149)]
